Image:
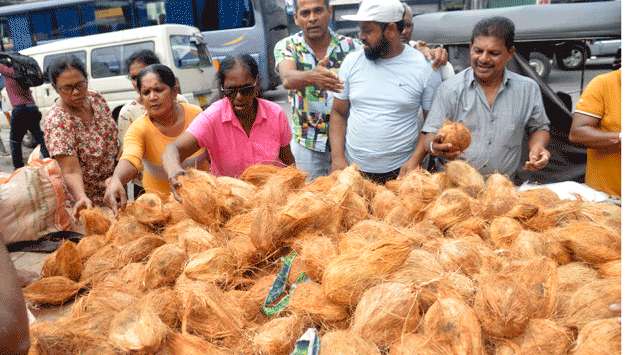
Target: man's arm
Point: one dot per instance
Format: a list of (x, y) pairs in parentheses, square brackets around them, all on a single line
[(13, 318), (538, 153), (320, 77), (337, 133), (585, 130)]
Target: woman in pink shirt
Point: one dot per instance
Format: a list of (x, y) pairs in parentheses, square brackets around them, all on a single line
[(238, 131)]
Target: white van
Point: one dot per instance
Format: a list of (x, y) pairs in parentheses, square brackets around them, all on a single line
[(180, 47)]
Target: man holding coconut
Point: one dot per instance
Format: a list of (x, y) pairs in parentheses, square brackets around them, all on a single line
[(495, 104)]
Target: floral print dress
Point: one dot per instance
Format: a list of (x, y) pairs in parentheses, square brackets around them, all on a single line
[(94, 142)]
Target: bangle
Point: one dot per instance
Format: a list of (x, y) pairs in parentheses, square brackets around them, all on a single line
[(174, 176), (431, 148)]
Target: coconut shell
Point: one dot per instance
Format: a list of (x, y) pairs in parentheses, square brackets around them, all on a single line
[(258, 174), (137, 328), (544, 336), (104, 261), (126, 229), (601, 336), (348, 275), (383, 202), (347, 343), (139, 250), (148, 209), (464, 176), (499, 196), (590, 242), (610, 269), (95, 220), (452, 324), (200, 197), (213, 265), (278, 336), (414, 344), (385, 312), (54, 290), (89, 245), (186, 344), (165, 264), (590, 302), (503, 231), (451, 207), (65, 261), (456, 134), (315, 251)]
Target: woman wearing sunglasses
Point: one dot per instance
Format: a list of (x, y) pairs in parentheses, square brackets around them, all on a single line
[(146, 138), (239, 130), (80, 133)]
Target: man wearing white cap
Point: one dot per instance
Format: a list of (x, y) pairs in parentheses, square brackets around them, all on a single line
[(374, 120)]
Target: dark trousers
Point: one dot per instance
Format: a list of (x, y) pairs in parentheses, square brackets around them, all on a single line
[(25, 118), (382, 178)]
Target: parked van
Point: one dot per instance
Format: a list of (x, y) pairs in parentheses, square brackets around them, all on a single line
[(180, 47)]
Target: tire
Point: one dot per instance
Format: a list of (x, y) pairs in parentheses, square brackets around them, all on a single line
[(541, 64), (571, 58)]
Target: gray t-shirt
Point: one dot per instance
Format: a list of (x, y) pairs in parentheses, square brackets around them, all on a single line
[(385, 97), (497, 132)]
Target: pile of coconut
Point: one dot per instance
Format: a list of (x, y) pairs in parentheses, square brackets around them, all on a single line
[(447, 263)]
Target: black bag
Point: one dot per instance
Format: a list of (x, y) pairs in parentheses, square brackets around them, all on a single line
[(27, 72)]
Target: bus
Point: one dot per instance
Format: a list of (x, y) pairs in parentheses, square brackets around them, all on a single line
[(228, 26)]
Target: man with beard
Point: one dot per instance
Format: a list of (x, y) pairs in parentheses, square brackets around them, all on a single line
[(374, 121), (497, 105)]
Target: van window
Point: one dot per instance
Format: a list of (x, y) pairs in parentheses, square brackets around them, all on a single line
[(212, 15), (110, 61), (189, 52), (5, 35), (52, 57)]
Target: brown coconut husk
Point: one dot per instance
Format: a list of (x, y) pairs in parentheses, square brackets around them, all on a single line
[(544, 336), (130, 277), (456, 134), (452, 324), (393, 185), (464, 176), (63, 338), (571, 277), (460, 256), (530, 244), (65, 261), (451, 207), (200, 197), (94, 312), (243, 251), (503, 231), (561, 214), (353, 210), (236, 196), (126, 229), (264, 230), (309, 302), (402, 217), (604, 214), (315, 251), (89, 245), (347, 343), (239, 225), (472, 226), (541, 197), (258, 174), (322, 184), (54, 290), (540, 277), (348, 275), (302, 211), (421, 266), (148, 209), (137, 328), (194, 240), (590, 302), (502, 306), (165, 303), (385, 312), (214, 265), (363, 233), (590, 242), (104, 261), (254, 298), (609, 269), (417, 189), (186, 344), (505, 347), (522, 212), (278, 336), (95, 220), (602, 336), (499, 196), (139, 250), (175, 210), (165, 264), (383, 202), (276, 190), (171, 233), (414, 344)]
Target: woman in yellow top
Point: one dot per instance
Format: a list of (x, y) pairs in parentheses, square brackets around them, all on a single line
[(148, 136)]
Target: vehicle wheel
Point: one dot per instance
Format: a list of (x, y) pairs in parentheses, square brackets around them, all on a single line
[(571, 58), (541, 64)]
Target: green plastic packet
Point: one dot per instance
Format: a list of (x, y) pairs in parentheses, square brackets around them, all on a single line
[(280, 293), (308, 344)]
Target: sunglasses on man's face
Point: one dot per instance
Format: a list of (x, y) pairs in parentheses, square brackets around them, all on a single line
[(244, 90)]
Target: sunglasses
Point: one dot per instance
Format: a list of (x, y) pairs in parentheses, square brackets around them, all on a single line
[(244, 90)]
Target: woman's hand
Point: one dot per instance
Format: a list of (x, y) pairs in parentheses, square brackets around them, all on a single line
[(175, 184), (115, 195), (81, 204)]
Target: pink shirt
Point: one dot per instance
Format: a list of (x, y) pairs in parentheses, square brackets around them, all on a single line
[(17, 94), (231, 151)]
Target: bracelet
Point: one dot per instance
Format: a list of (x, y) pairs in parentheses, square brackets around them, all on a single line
[(431, 148), (181, 172)]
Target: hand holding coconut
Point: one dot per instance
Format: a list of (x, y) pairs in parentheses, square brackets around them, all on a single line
[(538, 158), (450, 141)]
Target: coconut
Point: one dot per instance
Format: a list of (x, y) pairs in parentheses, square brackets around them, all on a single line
[(186, 344), (451, 207), (264, 232), (278, 187), (175, 210), (126, 229), (542, 197), (322, 184), (196, 239), (544, 336), (65, 261), (54, 290), (506, 347), (452, 324), (499, 196), (571, 277), (464, 176), (130, 277), (148, 209), (165, 303), (363, 233), (503, 231), (383, 202), (610, 269), (315, 251), (347, 343), (102, 262), (540, 277), (393, 185), (94, 312), (421, 266), (253, 300), (502, 305), (303, 210), (137, 328), (62, 337), (456, 134), (258, 174), (243, 251), (278, 336), (522, 211), (602, 336), (385, 312), (95, 220), (138, 250), (472, 226), (348, 275), (165, 264), (414, 344), (530, 244), (604, 214), (89, 245), (590, 302), (213, 265), (460, 255), (564, 213), (402, 217), (418, 189), (200, 197), (308, 300), (239, 225), (353, 210), (590, 242)]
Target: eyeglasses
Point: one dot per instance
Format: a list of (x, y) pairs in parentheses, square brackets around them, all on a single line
[(244, 90), (69, 89)]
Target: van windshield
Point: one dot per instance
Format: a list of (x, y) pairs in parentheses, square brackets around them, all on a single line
[(189, 52)]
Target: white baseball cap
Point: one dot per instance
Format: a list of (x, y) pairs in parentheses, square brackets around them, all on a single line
[(384, 11)]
